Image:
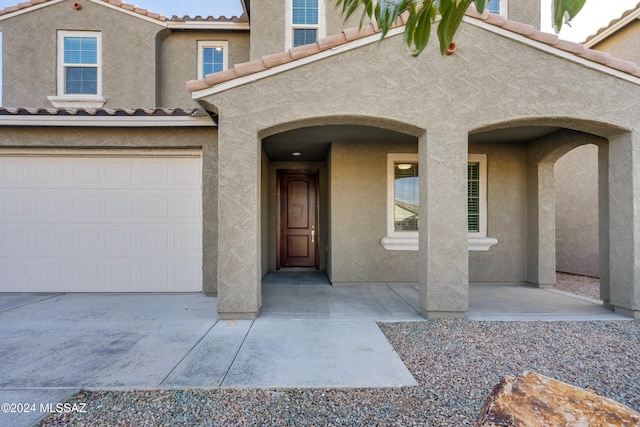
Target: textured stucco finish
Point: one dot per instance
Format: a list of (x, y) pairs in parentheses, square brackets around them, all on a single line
[(418, 96), (179, 56), (268, 26), (129, 81), (624, 44), (576, 186), (359, 210), (526, 12), (120, 139), (505, 262), (144, 65), (267, 32)]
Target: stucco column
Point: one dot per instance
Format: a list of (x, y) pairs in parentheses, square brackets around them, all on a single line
[(444, 256), (210, 216), (624, 223), (603, 220), (541, 224), (239, 261)]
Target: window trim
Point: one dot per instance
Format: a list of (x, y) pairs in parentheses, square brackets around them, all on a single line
[(409, 240), (64, 100), (202, 44), (504, 8), (320, 27)]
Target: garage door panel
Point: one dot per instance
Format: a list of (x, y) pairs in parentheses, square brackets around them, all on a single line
[(106, 225)]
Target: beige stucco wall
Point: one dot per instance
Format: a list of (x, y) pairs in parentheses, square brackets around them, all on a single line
[(525, 11), (576, 185), (438, 100), (506, 215), (148, 138), (30, 46), (269, 25), (624, 44), (359, 216), (179, 56)]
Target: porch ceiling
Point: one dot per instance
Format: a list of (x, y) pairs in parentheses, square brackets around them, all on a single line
[(313, 142), (518, 134)]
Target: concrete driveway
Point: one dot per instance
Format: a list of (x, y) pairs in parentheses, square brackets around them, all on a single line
[(54, 345)]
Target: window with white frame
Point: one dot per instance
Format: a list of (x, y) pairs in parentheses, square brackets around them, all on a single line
[(212, 57), (403, 203), (498, 7), (79, 69), (306, 20)]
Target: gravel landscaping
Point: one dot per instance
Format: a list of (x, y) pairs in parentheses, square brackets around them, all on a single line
[(456, 363), (581, 285)]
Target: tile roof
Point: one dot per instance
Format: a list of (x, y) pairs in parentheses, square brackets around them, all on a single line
[(137, 10), (119, 112), (613, 23), (352, 34)]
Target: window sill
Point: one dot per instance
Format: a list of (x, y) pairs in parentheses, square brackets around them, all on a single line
[(480, 244), (77, 101), (394, 243)]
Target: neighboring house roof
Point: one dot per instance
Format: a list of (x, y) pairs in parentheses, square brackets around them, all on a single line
[(197, 22), (614, 26), (341, 41), (120, 117)]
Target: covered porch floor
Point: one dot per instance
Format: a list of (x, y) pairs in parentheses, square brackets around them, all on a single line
[(309, 295)]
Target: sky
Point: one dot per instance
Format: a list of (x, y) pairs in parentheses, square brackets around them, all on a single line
[(595, 14)]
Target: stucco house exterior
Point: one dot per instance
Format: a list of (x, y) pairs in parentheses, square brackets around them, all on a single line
[(313, 147), (577, 247)]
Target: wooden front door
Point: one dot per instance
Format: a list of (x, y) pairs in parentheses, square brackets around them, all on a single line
[(298, 218)]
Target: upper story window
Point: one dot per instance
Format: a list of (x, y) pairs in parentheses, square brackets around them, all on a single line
[(212, 57), (403, 203), (79, 70), (498, 7), (80, 65), (306, 19)]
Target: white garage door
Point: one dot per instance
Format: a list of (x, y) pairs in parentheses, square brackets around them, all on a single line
[(101, 223)]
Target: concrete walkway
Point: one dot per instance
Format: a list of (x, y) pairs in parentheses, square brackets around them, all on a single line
[(308, 335)]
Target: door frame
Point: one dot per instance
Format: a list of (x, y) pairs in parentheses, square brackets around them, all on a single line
[(279, 173)]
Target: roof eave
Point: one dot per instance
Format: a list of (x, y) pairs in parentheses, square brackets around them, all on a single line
[(609, 31), (207, 25), (556, 51), (18, 12), (106, 121), (374, 38)]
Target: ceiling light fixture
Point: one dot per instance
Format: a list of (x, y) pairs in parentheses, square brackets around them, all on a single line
[(296, 153), (404, 166)]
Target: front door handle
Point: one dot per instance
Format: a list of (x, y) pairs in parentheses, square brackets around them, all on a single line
[(313, 234)]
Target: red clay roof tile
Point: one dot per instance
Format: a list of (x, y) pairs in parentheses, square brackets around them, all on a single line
[(222, 76), (350, 34), (132, 8), (519, 28), (247, 68), (546, 38), (276, 59), (331, 41), (613, 23), (304, 51), (595, 56)]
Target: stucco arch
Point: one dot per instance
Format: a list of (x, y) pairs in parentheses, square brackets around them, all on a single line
[(348, 120)]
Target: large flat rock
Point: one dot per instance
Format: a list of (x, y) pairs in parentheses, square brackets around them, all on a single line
[(534, 400)]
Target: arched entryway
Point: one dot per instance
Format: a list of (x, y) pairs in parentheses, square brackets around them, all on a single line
[(336, 170), (540, 154)]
